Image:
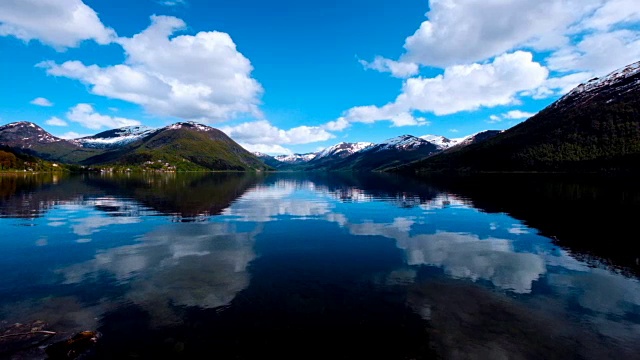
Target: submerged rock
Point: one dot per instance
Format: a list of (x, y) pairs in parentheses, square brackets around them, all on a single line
[(72, 348)]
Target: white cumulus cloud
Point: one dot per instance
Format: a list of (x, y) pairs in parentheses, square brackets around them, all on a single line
[(267, 149), (393, 112), (337, 125), (172, 2), (40, 101), (396, 68), (56, 121), (598, 53), (263, 132), (460, 88), (72, 135), (588, 36), (85, 115), (464, 31), (511, 115), (200, 77), (613, 12), (58, 23)]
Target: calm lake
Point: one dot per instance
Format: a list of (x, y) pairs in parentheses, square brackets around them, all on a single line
[(323, 266)]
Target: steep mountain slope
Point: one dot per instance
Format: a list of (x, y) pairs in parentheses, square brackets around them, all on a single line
[(183, 146), (389, 153), (29, 138), (473, 138), (594, 128)]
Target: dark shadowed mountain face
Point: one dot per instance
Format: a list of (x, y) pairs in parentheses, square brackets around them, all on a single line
[(596, 127)]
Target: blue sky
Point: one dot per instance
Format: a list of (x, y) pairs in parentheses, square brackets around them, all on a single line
[(287, 76)]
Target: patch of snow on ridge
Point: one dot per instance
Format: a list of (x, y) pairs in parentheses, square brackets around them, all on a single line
[(439, 141), (296, 158), (344, 149), (608, 80), (191, 124), (121, 136), (403, 142)]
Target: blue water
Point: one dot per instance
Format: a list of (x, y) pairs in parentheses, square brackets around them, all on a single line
[(321, 266)]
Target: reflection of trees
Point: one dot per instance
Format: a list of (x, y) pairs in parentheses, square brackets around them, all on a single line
[(188, 195), (591, 217), (29, 195)]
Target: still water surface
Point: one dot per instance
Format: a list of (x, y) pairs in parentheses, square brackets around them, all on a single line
[(327, 266)]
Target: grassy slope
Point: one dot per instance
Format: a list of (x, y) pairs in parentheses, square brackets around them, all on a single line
[(186, 149)]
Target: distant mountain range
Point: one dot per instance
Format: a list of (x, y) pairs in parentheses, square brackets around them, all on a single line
[(180, 146), (593, 128), (366, 156)]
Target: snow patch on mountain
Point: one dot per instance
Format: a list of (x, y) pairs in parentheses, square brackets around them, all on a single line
[(116, 137), (27, 132), (343, 149), (402, 142), (608, 80), (296, 158), (190, 124), (440, 141), (612, 85)]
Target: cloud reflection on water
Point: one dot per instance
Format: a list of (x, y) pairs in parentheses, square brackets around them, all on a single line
[(265, 203), (462, 255), (203, 265)]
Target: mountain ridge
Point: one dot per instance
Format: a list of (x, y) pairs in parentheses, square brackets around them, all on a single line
[(594, 128), (179, 146)]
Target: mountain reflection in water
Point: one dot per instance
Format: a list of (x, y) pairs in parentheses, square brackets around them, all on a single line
[(323, 265)]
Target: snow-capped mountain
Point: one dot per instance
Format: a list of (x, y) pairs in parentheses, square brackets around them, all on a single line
[(440, 141), (115, 138), (444, 143), (400, 149), (402, 142), (343, 149), (296, 158), (592, 129), (615, 84), (475, 138), (24, 135), (188, 124)]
